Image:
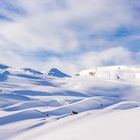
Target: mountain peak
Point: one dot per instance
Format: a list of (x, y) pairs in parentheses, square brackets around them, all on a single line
[(57, 73), (2, 66), (32, 71)]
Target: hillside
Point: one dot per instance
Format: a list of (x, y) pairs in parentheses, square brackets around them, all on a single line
[(113, 73), (100, 103)]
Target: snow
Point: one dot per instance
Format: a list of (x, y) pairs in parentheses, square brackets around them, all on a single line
[(115, 125), (57, 73), (113, 73), (104, 104)]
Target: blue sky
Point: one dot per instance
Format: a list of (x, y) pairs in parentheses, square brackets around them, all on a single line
[(69, 34)]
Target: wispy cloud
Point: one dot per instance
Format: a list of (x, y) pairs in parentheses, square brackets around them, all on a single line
[(82, 33)]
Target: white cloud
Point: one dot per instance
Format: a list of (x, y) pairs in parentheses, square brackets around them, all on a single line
[(51, 27), (62, 27), (113, 56)]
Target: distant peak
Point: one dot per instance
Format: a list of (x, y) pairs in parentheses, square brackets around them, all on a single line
[(122, 72), (2, 66), (57, 73), (32, 71)]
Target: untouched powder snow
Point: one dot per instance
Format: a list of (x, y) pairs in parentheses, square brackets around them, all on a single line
[(100, 103), (101, 125)]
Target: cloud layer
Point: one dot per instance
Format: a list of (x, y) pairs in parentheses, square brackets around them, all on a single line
[(69, 34)]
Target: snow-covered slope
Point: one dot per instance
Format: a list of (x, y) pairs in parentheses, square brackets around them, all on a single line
[(93, 105), (113, 73), (57, 73)]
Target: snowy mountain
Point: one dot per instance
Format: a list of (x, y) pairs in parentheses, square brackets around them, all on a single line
[(113, 73), (32, 71), (3, 66), (99, 103), (57, 73)]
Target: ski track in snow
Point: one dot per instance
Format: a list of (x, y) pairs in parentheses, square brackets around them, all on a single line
[(31, 100)]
